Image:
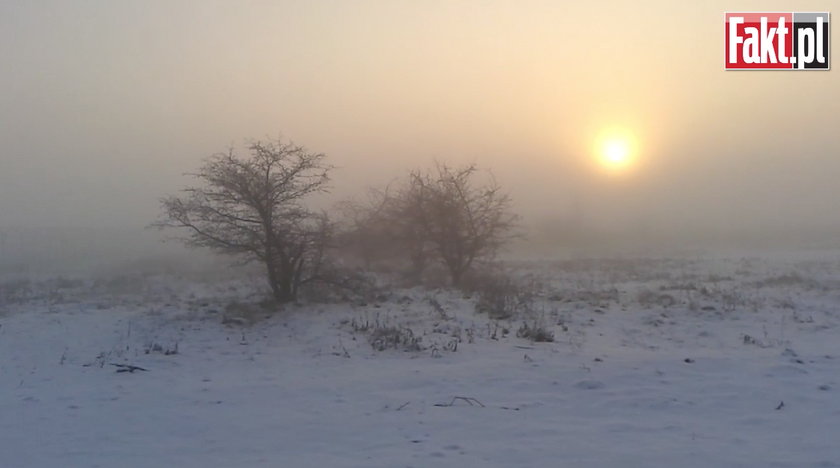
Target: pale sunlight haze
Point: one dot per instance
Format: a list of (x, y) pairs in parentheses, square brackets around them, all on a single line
[(106, 104)]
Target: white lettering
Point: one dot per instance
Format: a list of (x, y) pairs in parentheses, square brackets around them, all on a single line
[(802, 57), (734, 38), (820, 51), (782, 32), (768, 53), (751, 50)]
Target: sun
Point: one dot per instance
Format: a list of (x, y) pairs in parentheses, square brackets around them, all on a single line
[(616, 152), (615, 149)]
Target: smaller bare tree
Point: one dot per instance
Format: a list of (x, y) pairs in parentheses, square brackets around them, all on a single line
[(253, 208), (448, 213)]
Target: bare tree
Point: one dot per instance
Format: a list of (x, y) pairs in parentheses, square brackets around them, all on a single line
[(253, 208), (446, 212), (413, 221), (387, 228)]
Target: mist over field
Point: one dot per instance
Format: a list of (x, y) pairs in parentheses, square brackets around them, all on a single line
[(105, 105)]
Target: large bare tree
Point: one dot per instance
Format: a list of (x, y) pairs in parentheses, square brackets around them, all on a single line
[(253, 207)]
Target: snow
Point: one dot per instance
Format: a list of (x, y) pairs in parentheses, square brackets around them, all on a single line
[(632, 378)]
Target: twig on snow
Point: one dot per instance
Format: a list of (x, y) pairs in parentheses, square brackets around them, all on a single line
[(128, 368), (470, 400)]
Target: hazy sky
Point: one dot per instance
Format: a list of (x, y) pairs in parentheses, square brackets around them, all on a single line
[(104, 104)]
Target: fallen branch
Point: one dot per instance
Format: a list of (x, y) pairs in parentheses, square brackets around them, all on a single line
[(128, 368), (470, 400)]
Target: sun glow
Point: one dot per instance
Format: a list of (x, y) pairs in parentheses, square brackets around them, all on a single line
[(615, 149)]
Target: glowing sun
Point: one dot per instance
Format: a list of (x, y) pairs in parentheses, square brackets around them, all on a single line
[(615, 149)]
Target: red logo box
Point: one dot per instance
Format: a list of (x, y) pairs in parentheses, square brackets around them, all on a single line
[(777, 40)]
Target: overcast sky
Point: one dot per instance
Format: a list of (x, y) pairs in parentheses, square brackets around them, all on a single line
[(104, 104)]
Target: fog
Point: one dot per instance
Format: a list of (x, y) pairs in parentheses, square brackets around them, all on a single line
[(105, 104)]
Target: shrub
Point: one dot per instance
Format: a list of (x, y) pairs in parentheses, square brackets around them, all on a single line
[(382, 335), (15, 290), (650, 299), (500, 297), (536, 331), (339, 284), (394, 337)]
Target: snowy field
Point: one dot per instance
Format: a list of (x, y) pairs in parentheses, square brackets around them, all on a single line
[(725, 362)]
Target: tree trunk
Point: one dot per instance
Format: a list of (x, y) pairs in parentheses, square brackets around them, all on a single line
[(280, 286), (457, 275)]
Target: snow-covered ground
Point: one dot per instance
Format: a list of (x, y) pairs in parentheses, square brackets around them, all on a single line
[(655, 362)]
